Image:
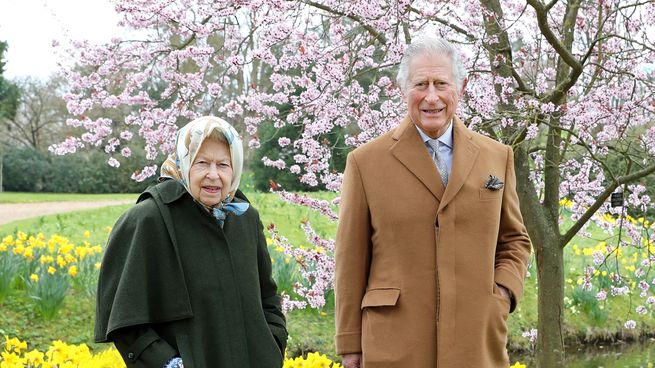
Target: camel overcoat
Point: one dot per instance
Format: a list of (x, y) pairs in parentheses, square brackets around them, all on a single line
[(417, 264)]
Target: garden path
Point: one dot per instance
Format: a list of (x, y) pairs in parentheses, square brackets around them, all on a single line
[(18, 211)]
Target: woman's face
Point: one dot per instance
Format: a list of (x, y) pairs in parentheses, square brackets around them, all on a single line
[(210, 175)]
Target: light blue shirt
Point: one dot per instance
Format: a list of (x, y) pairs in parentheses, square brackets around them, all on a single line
[(445, 145)]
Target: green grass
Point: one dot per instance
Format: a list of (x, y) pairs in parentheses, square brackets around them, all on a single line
[(20, 197), (585, 318), (73, 324), (311, 330), (287, 217)]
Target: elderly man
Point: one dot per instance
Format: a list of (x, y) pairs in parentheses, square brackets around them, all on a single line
[(431, 249)]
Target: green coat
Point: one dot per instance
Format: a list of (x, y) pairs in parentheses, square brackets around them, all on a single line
[(189, 287)]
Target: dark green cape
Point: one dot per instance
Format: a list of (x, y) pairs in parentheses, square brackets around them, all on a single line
[(206, 291)]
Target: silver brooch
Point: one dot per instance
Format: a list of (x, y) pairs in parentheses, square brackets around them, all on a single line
[(493, 183)]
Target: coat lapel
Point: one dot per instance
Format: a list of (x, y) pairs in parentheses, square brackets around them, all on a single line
[(413, 154), (465, 152)]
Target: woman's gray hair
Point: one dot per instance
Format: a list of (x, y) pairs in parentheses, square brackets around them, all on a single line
[(430, 45)]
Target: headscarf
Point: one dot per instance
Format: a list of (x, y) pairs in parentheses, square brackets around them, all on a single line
[(187, 144)]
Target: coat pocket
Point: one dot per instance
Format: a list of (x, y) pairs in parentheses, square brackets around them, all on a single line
[(380, 297), (382, 323)]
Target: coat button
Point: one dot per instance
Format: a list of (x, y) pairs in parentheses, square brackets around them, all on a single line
[(130, 355)]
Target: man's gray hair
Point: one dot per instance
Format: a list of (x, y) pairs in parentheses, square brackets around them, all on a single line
[(430, 45)]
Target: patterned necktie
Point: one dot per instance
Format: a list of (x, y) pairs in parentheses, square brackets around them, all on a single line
[(441, 163)]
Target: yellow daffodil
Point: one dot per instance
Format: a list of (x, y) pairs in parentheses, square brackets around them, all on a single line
[(19, 249), (21, 236), (29, 253), (34, 358), (69, 258), (61, 261), (81, 252), (72, 270)]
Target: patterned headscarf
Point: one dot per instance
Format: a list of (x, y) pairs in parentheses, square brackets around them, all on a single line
[(187, 144)]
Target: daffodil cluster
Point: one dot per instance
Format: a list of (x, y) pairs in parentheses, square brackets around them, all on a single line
[(59, 355), (47, 267), (313, 360)]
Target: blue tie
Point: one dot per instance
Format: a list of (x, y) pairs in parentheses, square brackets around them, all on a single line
[(439, 161)]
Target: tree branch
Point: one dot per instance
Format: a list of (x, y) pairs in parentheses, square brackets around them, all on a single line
[(542, 20), (377, 35), (550, 5), (454, 27)]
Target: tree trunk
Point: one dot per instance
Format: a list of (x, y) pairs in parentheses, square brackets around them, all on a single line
[(545, 236), (550, 270)]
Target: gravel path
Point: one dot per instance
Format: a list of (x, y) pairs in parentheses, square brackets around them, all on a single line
[(18, 211)]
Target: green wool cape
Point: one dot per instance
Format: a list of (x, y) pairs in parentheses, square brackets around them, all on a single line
[(202, 292)]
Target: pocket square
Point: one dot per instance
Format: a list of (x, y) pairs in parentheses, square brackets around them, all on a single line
[(493, 183)]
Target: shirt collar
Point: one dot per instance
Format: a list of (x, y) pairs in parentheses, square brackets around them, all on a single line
[(446, 138)]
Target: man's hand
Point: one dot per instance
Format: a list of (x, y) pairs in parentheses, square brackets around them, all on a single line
[(504, 292), (351, 360)]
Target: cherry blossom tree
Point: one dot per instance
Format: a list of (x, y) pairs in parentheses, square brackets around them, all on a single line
[(568, 84)]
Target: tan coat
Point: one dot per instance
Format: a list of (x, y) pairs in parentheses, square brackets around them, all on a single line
[(417, 265)]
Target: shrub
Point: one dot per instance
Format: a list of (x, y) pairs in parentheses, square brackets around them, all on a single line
[(28, 170)]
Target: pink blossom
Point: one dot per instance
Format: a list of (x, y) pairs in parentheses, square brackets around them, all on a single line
[(601, 296), (144, 173), (70, 145), (618, 291), (126, 135), (531, 335), (278, 164), (113, 162), (321, 206)]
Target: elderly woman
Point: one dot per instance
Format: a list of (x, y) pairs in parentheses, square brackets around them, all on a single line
[(186, 277)]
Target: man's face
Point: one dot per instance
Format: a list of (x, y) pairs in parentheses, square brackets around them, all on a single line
[(432, 93)]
